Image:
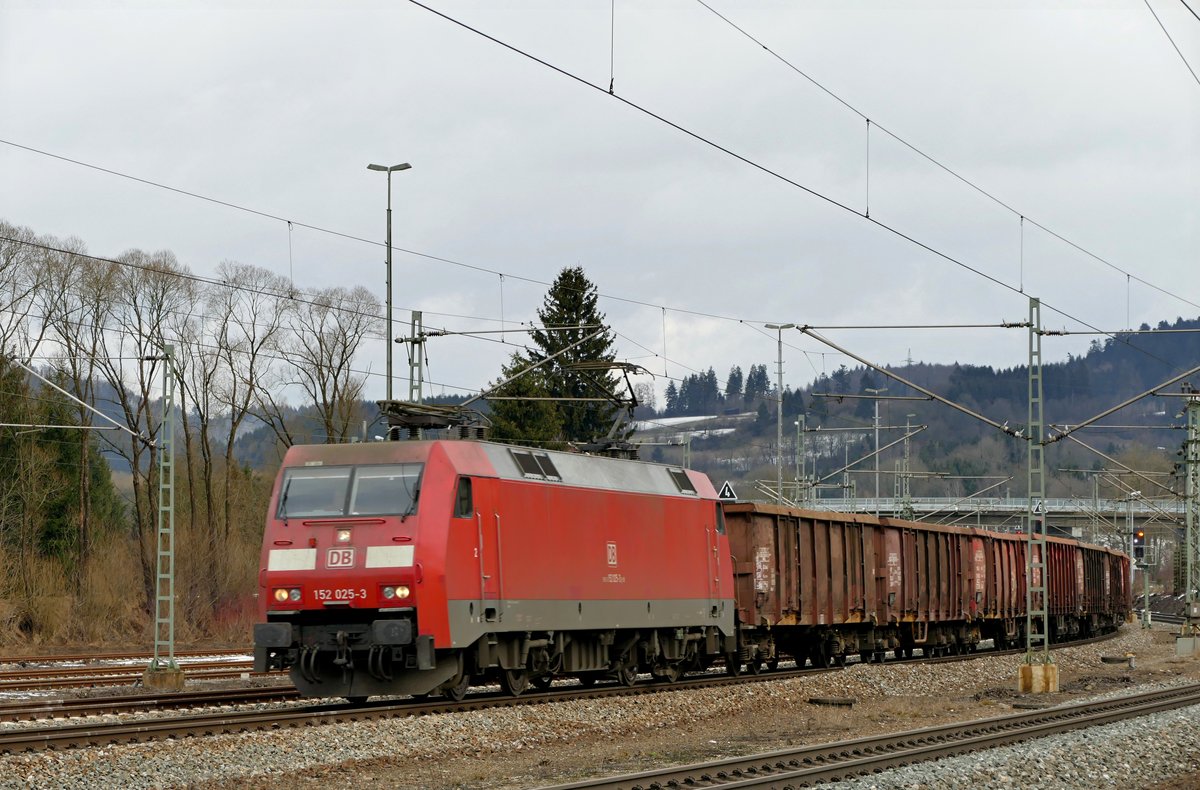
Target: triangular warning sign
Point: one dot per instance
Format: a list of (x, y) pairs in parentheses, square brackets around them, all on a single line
[(727, 492)]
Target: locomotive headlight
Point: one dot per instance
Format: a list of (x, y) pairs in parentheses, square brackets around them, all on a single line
[(391, 592), (281, 595), (294, 593), (343, 536)]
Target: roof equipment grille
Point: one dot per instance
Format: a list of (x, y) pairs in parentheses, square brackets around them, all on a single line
[(535, 465), (682, 481)]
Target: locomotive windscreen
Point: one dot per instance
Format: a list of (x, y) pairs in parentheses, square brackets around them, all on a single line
[(332, 491)]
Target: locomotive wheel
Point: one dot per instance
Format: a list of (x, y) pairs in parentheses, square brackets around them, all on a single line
[(627, 675), (671, 673), (459, 689), (840, 660), (514, 681)]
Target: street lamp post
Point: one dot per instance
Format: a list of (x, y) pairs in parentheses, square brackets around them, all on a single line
[(389, 171), (779, 412)]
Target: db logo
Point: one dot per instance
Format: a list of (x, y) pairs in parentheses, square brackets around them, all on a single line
[(340, 558), (612, 553)]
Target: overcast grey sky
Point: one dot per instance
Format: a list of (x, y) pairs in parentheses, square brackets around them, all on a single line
[(1078, 115)]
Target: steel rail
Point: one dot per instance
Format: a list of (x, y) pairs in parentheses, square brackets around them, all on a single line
[(864, 756), (57, 672), (66, 736), (74, 735), (79, 707), (55, 658)]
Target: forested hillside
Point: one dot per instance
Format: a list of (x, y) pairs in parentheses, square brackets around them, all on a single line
[(738, 441)]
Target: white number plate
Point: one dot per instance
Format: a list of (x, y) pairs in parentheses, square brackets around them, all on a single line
[(341, 594)]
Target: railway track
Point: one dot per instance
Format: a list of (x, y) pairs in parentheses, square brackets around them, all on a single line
[(807, 766), (61, 736), (41, 709), (99, 734), (63, 708), (57, 658), (58, 677)]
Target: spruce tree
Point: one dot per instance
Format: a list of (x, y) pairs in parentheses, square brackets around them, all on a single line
[(569, 306), (530, 422)]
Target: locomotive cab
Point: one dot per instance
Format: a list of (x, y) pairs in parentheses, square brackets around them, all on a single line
[(341, 571)]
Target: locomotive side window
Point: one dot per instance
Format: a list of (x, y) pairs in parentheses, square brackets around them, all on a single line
[(464, 507), (385, 490), (720, 520), (314, 491)]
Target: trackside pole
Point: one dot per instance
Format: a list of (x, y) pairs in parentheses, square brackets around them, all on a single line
[(164, 673), (1188, 641), (1038, 673)]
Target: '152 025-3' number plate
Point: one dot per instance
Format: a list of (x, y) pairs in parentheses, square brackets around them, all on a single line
[(341, 594)]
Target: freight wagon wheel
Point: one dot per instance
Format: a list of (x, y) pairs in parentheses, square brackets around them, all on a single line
[(542, 682), (627, 675), (773, 664), (587, 681), (754, 666), (733, 667), (514, 681)]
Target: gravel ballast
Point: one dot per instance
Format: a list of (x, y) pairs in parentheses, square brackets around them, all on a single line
[(531, 746)]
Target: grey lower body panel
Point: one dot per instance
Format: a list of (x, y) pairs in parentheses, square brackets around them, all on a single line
[(469, 620)]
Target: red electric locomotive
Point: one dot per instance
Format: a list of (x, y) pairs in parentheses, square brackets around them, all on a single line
[(408, 567)]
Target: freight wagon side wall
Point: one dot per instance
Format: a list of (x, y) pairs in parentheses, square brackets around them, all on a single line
[(808, 568)]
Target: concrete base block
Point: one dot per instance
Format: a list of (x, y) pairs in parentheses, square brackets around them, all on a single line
[(1185, 646), (1038, 679), (163, 679)]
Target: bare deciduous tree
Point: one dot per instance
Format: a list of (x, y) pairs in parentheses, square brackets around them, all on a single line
[(74, 303), (326, 332), (251, 313), (132, 366), (22, 274)]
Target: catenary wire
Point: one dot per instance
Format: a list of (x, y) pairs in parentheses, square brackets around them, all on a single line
[(1173, 44), (531, 280), (766, 170), (939, 164)]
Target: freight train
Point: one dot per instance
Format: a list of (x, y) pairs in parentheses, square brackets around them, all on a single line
[(421, 567)]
